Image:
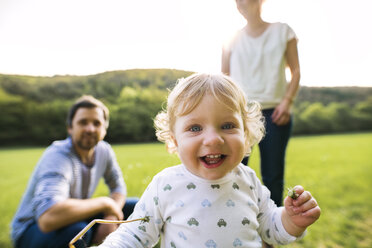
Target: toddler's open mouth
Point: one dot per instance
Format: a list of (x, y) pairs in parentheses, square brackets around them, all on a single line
[(213, 161)]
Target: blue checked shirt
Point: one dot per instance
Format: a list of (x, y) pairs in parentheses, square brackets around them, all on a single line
[(58, 176)]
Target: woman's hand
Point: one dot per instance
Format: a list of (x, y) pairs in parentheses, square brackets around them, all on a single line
[(282, 114)]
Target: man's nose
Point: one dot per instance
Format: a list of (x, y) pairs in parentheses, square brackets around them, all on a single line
[(89, 127)]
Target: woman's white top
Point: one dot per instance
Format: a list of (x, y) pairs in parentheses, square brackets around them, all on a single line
[(258, 63)]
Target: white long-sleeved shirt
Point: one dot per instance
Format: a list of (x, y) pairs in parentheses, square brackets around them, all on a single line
[(189, 211)]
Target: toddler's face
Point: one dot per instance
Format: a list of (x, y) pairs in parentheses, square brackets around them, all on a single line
[(210, 139)]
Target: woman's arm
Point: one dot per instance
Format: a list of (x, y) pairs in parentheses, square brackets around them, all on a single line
[(294, 67), (281, 115), (225, 63)]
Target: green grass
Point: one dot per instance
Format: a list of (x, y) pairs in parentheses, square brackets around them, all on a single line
[(337, 169)]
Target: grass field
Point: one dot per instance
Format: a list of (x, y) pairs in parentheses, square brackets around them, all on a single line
[(337, 169)]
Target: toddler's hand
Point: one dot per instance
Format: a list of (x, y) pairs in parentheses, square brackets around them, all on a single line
[(302, 211)]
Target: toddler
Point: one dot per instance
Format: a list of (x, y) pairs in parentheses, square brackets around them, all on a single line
[(211, 199)]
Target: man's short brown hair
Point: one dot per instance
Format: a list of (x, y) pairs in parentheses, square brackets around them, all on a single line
[(87, 102)]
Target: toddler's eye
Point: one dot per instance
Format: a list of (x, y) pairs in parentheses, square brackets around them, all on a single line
[(228, 126), (195, 129)]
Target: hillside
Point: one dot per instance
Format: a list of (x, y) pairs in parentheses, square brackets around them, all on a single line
[(108, 85), (33, 109), (327, 95)]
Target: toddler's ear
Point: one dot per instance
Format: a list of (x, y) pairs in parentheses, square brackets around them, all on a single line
[(174, 140), (247, 145)]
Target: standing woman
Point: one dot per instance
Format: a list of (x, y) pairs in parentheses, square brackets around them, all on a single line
[(257, 58)]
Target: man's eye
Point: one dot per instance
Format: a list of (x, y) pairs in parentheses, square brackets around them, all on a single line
[(97, 123), (82, 122), (195, 129), (228, 126)]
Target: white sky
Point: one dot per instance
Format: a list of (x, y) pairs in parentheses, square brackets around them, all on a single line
[(82, 37)]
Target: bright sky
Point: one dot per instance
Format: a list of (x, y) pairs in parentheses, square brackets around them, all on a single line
[(83, 37)]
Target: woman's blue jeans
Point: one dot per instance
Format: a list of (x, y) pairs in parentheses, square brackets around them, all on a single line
[(33, 237), (272, 153)]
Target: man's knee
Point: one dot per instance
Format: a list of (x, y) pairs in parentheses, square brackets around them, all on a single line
[(128, 208), (66, 234)]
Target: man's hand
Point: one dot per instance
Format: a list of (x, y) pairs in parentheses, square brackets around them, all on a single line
[(112, 208)]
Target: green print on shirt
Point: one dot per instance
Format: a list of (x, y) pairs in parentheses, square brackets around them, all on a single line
[(191, 186), (221, 222), (193, 221), (142, 228), (169, 219), (167, 187), (156, 200), (245, 221), (215, 186), (235, 186)]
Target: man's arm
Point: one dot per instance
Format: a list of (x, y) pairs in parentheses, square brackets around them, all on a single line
[(114, 180), (118, 198), (72, 210), (120, 201)]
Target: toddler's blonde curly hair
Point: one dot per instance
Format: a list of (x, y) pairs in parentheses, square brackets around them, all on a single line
[(187, 94)]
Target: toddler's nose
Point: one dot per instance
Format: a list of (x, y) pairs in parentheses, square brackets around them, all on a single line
[(213, 138)]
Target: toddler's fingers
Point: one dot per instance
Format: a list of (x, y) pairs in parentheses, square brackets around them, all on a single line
[(313, 213), (299, 189), (302, 198), (293, 194), (307, 205)]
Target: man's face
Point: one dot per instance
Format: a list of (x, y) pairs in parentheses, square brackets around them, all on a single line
[(87, 128)]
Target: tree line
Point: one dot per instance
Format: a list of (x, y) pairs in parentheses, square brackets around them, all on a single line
[(34, 109)]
